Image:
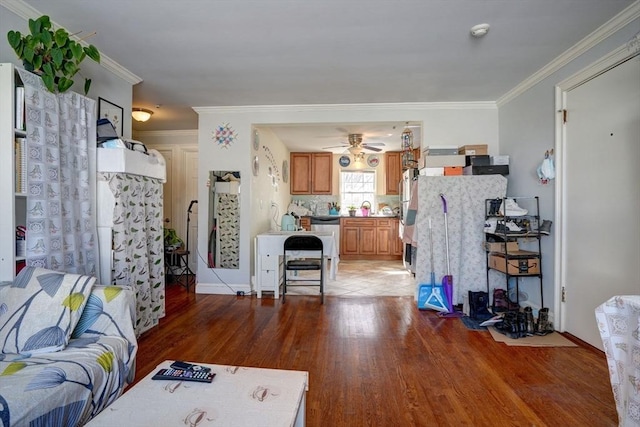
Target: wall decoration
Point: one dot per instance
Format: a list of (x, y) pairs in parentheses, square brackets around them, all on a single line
[(256, 166), (256, 140), (224, 135), (285, 171), (344, 161), (113, 112), (274, 171), (373, 160)]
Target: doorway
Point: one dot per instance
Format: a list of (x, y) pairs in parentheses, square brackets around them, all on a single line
[(599, 242)]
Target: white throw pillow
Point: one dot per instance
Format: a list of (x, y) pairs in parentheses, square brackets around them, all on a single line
[(40, 309)]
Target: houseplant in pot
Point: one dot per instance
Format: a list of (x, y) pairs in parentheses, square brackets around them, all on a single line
[(51, 54), (352, 210)]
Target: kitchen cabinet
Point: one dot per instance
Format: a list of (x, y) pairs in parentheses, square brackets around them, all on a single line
[(363, 238), (393, 172), (311, 173)]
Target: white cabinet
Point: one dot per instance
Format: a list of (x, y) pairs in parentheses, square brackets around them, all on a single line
[(269, 271), (14, 204)]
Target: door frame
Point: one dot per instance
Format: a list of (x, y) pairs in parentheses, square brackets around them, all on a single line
[(601, 66)]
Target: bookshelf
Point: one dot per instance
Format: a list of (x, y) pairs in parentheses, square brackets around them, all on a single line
[(12, 169)]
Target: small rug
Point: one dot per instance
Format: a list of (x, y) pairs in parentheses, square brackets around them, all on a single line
[(553, 339), (473, 324)]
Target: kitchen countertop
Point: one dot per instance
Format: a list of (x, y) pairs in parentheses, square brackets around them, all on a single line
[(349, 216)]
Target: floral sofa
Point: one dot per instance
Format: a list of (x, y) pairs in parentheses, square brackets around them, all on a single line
[(67, 346)]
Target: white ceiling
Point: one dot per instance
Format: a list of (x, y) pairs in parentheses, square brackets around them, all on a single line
[(199, 53)]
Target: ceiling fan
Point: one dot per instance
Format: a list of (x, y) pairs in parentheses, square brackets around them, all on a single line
[(356, 145)]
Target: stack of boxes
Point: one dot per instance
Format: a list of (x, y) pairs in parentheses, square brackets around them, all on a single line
[(465, 160)]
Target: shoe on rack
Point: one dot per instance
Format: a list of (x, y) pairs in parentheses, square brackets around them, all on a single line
[(511, 208), (545, 227), (490, 225), (503, 227), (494, 206)]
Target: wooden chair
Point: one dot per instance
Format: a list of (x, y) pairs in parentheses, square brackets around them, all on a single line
[(303, 253)]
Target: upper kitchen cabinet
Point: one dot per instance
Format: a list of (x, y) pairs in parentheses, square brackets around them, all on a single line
[(393, 172), (311, 173)]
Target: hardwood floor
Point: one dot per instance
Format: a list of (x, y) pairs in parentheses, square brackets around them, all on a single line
[(378, 361)]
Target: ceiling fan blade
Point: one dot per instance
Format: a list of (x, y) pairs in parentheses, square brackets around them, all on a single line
[(378, 144), (335, 146), (368, 147)]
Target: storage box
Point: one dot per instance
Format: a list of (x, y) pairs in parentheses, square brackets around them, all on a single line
[(432, 171), (486, 170), (440, 151), (452, 170), (481, 160), (474, 150), (443, 161), (501, 247), (520, 266), (499, 160)]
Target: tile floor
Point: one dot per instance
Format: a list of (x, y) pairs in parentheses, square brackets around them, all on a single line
[(364, 278)]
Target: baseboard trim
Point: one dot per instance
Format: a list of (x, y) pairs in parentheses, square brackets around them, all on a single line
[(222, 289)]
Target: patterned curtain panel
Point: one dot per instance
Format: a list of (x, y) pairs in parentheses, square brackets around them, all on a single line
[(228, 214), (61, 179), (138, 245)]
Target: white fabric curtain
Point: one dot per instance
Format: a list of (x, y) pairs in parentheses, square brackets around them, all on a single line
[(138, 243), (61, 179)]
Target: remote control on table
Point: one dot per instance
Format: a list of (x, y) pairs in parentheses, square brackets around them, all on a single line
[(184, 375), (178, 364)]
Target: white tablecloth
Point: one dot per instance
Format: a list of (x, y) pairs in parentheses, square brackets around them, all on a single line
[(619, 324), (272, 244)]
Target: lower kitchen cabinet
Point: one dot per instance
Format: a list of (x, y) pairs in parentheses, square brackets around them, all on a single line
[(364, 238)]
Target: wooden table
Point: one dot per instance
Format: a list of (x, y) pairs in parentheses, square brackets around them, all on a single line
[(238, 396)]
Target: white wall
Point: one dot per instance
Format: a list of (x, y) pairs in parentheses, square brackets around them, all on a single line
[(527, 130), (451, 124)]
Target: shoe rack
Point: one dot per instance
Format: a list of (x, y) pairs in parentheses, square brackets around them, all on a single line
[(513, 223)]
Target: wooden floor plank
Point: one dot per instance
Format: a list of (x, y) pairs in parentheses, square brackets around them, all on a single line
[(381, 362)]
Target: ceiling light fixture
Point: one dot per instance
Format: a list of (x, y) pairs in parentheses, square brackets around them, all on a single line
[(479, 30), (141, 114)]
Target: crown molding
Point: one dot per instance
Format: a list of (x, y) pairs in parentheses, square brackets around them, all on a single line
[(413, 106), (27, 12), (628, 15)]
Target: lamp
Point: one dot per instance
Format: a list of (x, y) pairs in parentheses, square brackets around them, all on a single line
[(141, 114)]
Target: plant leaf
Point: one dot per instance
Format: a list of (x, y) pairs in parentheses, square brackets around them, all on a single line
[(46, 39), (49, 377), (47, 79), (92, 52), (47, 337), (61, 37), (64, 84), (14, 38), (87, 85), (57, 56), (77, 51), (90, 315), (34, 26)]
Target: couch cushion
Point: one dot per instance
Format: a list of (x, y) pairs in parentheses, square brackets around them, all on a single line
[(39, 310)]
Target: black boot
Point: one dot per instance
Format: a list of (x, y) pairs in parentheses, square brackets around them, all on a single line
[(543, 327), (530, 325)]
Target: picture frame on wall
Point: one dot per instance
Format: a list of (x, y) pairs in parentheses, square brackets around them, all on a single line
[(114, 113)]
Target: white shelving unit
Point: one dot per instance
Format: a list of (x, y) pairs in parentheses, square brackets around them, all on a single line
[(14, 204)]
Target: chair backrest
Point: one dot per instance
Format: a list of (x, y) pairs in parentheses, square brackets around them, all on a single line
[(303, 243)]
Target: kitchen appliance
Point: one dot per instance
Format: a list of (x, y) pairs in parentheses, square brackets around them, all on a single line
[(289, 222), (327, 223)]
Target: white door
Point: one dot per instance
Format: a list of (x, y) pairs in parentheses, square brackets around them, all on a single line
[(602, 196)]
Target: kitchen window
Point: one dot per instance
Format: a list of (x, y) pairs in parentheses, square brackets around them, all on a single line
[(357, 187)]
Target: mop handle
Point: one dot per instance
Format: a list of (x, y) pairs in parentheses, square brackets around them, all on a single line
[(446, 231), (431, 247)]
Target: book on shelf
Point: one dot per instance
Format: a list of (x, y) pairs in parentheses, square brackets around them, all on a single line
[(20, 108), (21, 165)]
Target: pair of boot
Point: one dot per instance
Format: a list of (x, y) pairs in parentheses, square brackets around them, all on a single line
[(513, 324), (479, 306), (543, 326)]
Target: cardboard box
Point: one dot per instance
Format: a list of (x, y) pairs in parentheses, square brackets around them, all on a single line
[(474, 150), (499, 160), (501, 247), (443, 161), (519, 266), (482, 160), (452, 170), (486, 170)]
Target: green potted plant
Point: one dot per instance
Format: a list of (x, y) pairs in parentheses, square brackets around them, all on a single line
[(51, 54), (352, 210)]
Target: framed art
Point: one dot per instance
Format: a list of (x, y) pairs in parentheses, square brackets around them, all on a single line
[(113, 112)]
